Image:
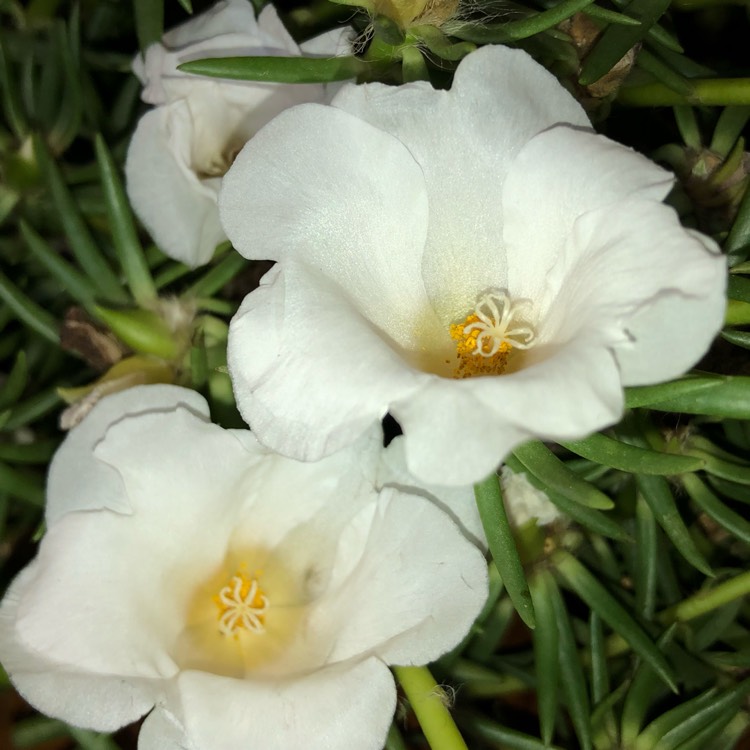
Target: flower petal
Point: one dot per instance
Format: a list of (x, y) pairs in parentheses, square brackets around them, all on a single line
[(344, 218), (458, 502), (272, 28), (457, 432), (653, 290), (104, 702), (76, 480), (225, 17), (162, 731), (149, 575), (296, 317), (465, 141), (348, 707), (228, 28), (178, 210), (405, 618), (550, 183)]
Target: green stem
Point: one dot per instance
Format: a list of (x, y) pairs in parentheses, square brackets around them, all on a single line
[(706, 601), (705, 91), (428, 701)]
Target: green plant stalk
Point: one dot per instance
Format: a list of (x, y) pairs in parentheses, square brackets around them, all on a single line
[(429, 704), (124, 233), (703, 91), (706, 601)]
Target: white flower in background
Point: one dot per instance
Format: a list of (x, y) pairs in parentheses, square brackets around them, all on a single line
[(477, 262), (242, 598), (182, 148), (524, 502)]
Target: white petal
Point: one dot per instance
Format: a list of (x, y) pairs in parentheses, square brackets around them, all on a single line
[(138, 571), (466, 158), (340, 708), (330, 208), (670, 334), (524, 502), (310, 375), (642, 280), (178, 210), (457, 432), (270, 24), (319, 498), (556, 177), (330, 43), (458, 502), (416, 590), (162, 731), (104, 702), (76, 480), (226, 17)]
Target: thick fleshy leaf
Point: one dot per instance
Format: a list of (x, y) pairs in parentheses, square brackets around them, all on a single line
[(224, 28), (502, 546)]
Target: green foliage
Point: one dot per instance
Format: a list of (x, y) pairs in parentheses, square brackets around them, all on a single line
[(624, 624)]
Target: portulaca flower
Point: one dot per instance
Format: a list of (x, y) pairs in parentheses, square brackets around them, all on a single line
[(239, 598), (182, 148), (477, 262)]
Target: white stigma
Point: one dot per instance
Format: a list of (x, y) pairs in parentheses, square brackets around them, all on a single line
[(497, 313), (242, 611)]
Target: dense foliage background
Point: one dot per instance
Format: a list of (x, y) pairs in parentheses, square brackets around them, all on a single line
[(639, 598)]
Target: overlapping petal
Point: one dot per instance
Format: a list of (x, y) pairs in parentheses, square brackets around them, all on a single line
[(347, 706), (278, 334), (181, 150)]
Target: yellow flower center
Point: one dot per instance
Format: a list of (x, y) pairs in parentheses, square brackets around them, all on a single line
[(242, 605), (488, 334), (244, 616)]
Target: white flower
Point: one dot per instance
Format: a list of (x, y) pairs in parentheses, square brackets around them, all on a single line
[(425, 237), (242, 598), (182, 148), (524, 502)]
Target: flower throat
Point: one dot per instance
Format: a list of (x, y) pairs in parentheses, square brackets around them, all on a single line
[(489, 333)]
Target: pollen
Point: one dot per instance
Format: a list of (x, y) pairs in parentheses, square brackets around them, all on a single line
[(489, 333), (242, 605)]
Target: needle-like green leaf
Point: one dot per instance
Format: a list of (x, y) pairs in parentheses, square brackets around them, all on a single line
[(489, 498)]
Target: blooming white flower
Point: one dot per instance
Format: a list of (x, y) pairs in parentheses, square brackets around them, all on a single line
[(182, 148), (242, 598), (477, 262)]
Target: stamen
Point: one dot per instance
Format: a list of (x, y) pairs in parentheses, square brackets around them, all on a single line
[(490, 332), (242, 605)]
